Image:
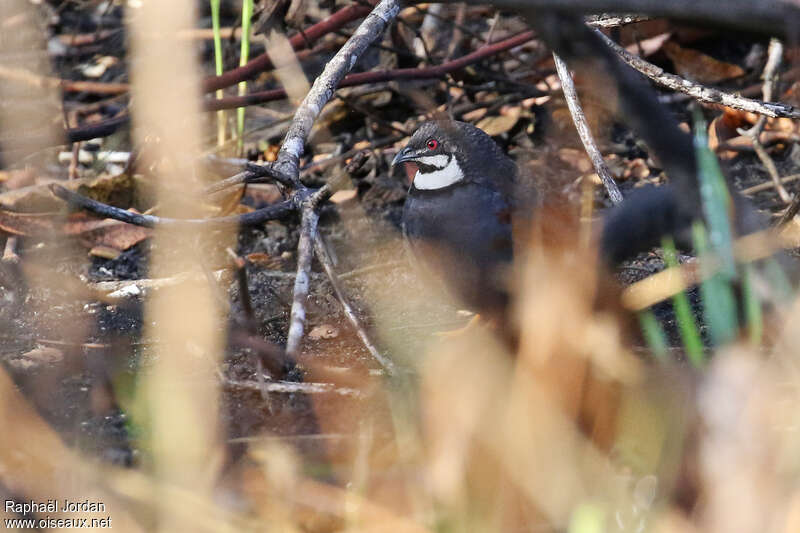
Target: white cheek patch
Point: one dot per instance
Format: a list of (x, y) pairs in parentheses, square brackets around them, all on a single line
[(438, 161), (438, 179)]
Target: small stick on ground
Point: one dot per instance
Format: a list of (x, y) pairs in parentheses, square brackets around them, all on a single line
[(770, 77), (584, 132), (768, 185), (240, 267), (700, 92), (327, 264), (297, 319)]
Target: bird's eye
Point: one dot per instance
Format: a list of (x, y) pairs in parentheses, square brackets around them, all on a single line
[(432, 144)]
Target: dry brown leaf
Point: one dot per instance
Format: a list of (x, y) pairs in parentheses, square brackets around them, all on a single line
[(119, 236), (724, 128), (343, 196), (44, 354), (499, 124), (648, 47), (105, 252), (475, 114), (324, 331), (698, 66), (26, 224), (576, 158), (637, 169), (265, 260)]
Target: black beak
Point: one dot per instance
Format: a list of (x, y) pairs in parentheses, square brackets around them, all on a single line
[(406, 154)]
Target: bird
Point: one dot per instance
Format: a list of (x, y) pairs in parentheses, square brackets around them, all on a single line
[(457, 217)]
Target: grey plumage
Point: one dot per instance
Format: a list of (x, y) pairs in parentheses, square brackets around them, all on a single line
[(462, 231)]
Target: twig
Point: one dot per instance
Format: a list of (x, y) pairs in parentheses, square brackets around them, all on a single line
[(327, 264), (613, 21), (259, 216), (288, 162), (240, 267), (772, 170), (298, 40), (290, 387), (701, 92), (768, 185), (790, 212), (327, 82), (297, 317), (584, 132), (371, 268), (363, 78), (774, 17), (770, 78)]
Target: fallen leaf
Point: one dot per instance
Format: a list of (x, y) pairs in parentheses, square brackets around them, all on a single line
[(576, 158), (44, 354), (324, 331), (105, 252), (499, 124), (637, 169), (698, 66), (345, 195), (119, 236), (26, 224)]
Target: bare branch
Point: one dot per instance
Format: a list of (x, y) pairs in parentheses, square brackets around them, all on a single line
[(324, 86), (584, 132), (258, 216), (701, 92), (770, 78), (775, 17), (305, 250)]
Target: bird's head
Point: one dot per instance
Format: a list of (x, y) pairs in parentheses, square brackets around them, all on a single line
[(443, 153)]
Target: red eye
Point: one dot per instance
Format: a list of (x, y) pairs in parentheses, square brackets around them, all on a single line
[(432, 144)]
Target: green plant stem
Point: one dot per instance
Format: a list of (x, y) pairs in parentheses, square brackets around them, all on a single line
[(247, 15), (215, 24), (692, 341)]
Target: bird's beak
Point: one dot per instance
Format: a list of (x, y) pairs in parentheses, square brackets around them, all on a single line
[(406, 154)]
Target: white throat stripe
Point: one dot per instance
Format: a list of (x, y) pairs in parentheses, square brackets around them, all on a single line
[(438, 161), (438, 178)]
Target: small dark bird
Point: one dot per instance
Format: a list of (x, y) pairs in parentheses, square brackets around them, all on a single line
[(457, 216)]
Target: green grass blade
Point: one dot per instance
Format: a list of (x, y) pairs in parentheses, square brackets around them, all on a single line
[(752, 307), (654, 335), (687, 326), (218, 67), (247, 15), (715, 198), (719, 302)]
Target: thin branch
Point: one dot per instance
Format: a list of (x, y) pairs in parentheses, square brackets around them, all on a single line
[(768, 185), (701, 92), (297, 318), (770, 78), (775, 17), (584, 132), (363, 78), (324, 86), (325, 259), (298, 41), (259, 216)]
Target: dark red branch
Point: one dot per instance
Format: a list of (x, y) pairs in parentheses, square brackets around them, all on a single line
[(298, 41), (363, 78)]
